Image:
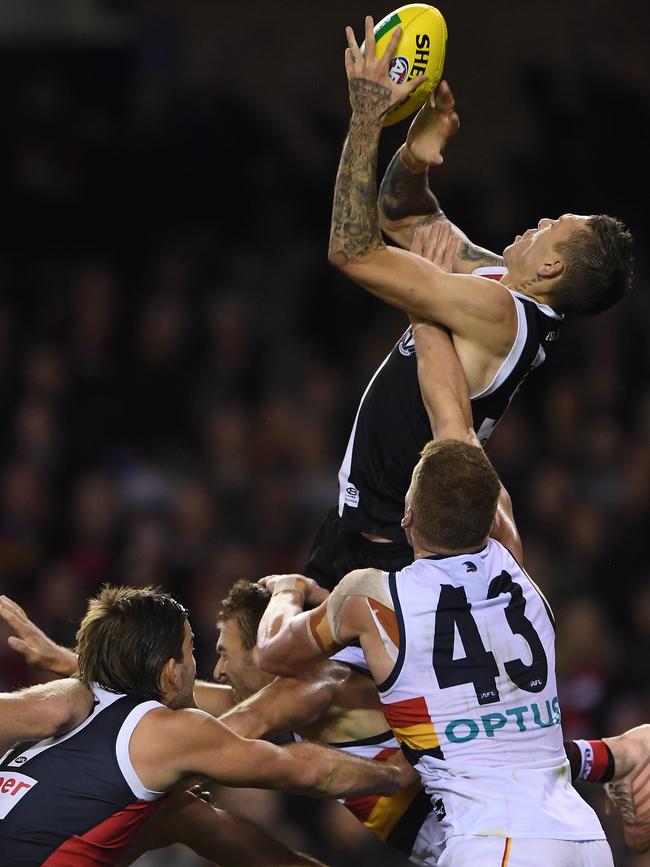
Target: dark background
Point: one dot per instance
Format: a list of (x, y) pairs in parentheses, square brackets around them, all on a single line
[(180, 367)]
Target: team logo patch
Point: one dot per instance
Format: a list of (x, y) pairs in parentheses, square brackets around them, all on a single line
[(406, 345), (13, 787), (439, 809), (469, 566), (399, 69)]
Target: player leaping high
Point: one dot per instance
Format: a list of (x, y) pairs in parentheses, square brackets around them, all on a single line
[(502, 329)]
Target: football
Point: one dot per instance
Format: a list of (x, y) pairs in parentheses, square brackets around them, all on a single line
[(420, 51)]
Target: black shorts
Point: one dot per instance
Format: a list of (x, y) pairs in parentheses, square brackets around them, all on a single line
[(336, 552)]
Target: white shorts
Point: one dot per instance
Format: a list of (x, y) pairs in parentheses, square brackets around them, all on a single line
[(429, 843), (507, 852)]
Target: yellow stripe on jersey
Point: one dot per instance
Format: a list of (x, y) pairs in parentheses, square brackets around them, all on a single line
[(418, 737), (389, 810), (411, 723), (506, 852)]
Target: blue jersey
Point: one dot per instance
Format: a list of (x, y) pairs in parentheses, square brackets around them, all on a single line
[(76, 799)]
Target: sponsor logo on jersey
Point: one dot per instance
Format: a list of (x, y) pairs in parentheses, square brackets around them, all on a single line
[(524, 717), (13, 787), (406, 345), (351, 496), (399, 69)]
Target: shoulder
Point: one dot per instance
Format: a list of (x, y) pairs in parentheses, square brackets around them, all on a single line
[(364, 582), (166, 725)]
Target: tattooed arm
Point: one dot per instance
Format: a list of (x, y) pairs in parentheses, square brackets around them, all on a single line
[(406, 200), (479, 310), (355, 224)]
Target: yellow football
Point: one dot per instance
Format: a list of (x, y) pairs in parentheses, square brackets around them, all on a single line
[(420, 51)]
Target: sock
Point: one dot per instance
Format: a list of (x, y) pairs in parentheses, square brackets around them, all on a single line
[(591, 761)]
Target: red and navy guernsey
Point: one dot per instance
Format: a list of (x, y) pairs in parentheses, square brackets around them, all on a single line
[(76, 800)]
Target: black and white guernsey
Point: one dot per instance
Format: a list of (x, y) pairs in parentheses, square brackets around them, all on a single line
[(391, 426)]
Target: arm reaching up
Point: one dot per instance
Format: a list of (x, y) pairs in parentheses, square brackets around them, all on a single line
[(406, 200), (39, 651), (475, 309)]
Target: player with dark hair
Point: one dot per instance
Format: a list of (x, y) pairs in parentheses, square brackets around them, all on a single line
[(502, 328), (334, 703), (86, 794)]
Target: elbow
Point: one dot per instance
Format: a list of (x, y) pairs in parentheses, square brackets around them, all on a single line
[(452, 428), (273, 660), (347, 257), (337, 258), (59, 716)]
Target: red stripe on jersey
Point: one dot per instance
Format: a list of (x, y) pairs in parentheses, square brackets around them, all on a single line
[(361, 806), (492, 276), (105, 843), (407, 713)]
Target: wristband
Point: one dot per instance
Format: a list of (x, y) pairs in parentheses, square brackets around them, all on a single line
[(411, 162), (292, 583)]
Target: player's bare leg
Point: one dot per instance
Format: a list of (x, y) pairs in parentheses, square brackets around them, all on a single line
[(214, 834)]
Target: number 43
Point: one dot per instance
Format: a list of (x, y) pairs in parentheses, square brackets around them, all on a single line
[(479, 667)]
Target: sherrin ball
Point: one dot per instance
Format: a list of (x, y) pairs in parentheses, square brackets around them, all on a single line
[(420, 51)]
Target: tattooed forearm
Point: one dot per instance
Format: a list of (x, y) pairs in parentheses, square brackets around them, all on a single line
[(355, 222), (404, 193), (477, 255)]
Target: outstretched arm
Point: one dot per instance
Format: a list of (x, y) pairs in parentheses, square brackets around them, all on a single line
[(40, 652), (446, 398), (42, 711), (441, 378), (170, 745), (288, 703), (43, 654), (218, 836), (406, 200), (478, 309)]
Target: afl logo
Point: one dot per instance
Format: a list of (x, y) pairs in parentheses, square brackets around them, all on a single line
[(399, 69)]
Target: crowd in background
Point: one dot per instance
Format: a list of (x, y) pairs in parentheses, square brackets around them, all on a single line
[(180, 368)]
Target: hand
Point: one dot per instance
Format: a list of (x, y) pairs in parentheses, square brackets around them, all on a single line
[(434, 125), (312, 592), (39, 651), (202, 792), (436, 242), (372, 91)]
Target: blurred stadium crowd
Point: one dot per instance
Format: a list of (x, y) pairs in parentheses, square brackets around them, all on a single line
[(179, 367)]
